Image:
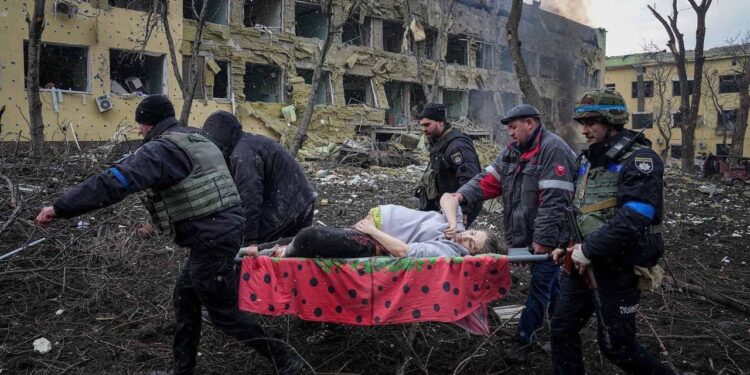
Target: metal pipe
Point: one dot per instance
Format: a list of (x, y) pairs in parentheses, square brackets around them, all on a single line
[(14, 252)]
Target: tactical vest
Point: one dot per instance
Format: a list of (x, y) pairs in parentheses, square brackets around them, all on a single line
[(208, 188), (596, 193), (434, 180)]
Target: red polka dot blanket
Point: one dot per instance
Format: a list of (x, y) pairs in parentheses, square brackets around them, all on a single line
[(378, 290)]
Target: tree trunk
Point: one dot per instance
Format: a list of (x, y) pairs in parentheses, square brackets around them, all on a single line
[(740, 126), (36, 122), (688, 140), (418, 53), (522, 73), (189, 86)]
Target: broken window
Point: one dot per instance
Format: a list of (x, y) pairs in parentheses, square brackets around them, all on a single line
[(457, 51), (310, 21), (722, 149), (139, 5), (417, 99), (222, 81), (262, 83), (358, 90), (725, 119), (482, 108), (643, 120), (676, 87), (393, 33), (323, 95), (186, 74), (395, 115), (484, 55), (729, 83), (676, 119), (430, 43), (581, 76), (356, 31), (61, 67), (509, 100), (262, 12), (506, 61), (611, 86), (134, 73), (217, 11), (648, 89), (548, 67), (454, 104)]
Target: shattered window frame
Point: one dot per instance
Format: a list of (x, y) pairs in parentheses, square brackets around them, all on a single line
[(326, 86), (648, 89), (363, 29), (484, 55), (397, 39), (729, 83), (63, 71), (453, 52), (370, 97), (148, 58), (247, 16), (506, 60), (212, 16), (227, 72), (321, 31), (456, 103), (259, 94)]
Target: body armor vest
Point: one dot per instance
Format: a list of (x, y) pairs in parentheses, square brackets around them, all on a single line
[(435, 181), (596, 193), (208, 188)]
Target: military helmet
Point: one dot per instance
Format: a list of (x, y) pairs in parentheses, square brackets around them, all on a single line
[(606, 105)]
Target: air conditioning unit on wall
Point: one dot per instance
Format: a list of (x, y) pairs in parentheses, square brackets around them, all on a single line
[(66, 8), (104, 103)]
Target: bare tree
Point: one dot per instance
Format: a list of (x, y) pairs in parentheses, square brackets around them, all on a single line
[(661, 74), (522, 72), (711, 78), (188, 83), (334, 27), (688, 109), (36, 122)]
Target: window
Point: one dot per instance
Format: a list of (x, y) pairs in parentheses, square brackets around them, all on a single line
[(457, 51), (725, 119), (506, 61), (262, 83), (222, 81), (484, 55), (723, 149), (675, 151), (676, 88), (61, 67), (310, 21), (394, 92), (548, 67), (355, 33), (729, 84), (610, 86), (454, 103), (430, 43), (417, 99), (358, 90), (482, 108), (648, 89), (217, 11), (581, 76), (134, 73), (677, 119), (393, 33), (323, 95), (139, 5), (262, 12), (186, 74), (643, 120)]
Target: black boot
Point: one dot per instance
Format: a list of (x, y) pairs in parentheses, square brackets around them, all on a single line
[(285, 360)]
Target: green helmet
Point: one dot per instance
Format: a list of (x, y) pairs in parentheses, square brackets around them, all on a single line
[(606, 105)]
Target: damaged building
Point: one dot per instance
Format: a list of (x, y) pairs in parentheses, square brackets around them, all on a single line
[(258, 57)]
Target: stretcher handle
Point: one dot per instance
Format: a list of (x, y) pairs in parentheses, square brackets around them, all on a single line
[(524, 254)]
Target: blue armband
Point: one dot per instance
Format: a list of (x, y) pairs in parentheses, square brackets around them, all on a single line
[(120, 177), (642, 208)]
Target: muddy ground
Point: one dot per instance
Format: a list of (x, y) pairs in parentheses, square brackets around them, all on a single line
[(102, 296)]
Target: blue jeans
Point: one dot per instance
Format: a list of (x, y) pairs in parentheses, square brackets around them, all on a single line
[(543, 291)]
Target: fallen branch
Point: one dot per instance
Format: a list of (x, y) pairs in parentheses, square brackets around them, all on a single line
[(709, 294), (13, 202)]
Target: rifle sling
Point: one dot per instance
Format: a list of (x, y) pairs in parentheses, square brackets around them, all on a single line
[(603, 205)]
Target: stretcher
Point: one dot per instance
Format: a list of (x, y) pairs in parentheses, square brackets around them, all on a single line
[(380, 290)]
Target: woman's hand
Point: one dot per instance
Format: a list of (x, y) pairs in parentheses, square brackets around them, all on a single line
[(366, 225), (450, 231)]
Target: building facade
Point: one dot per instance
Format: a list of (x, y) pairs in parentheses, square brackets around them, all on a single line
[(257, 57), (660, 97)]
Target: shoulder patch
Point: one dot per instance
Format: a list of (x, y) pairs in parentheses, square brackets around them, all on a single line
[(560, 170), (644, 164), (457, 158)]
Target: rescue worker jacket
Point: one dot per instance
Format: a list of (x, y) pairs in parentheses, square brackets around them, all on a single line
[(453, 162), (620, 203), (535, 181), (208, 188), (158, 164)]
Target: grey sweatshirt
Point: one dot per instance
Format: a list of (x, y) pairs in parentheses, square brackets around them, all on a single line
[(422, 231)]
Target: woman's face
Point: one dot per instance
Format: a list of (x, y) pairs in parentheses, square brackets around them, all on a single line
[(472, 239)]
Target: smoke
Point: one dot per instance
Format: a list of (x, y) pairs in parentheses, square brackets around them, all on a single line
[(576, 10)]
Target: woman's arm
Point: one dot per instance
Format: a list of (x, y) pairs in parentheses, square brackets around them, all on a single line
[(449, 206), (391, 244)]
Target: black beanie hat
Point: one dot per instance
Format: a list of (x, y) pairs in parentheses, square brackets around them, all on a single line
[(224, 129), (153, 109), (433, 111)]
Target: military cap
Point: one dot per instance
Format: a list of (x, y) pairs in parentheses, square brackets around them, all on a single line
[(520, 111), (433, 111)]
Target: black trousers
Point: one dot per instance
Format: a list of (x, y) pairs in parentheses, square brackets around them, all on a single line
[(620, 298), (327, 242), (303, 220), (210, 279)]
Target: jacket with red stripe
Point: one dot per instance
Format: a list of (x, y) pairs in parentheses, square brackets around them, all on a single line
[(536, 185)]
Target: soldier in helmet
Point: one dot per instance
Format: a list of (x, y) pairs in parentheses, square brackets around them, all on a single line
[(619, 196), (534, 175)]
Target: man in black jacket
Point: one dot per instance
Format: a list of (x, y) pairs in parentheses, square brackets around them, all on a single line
[(453, 161), (277, 199), (193, 196)]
